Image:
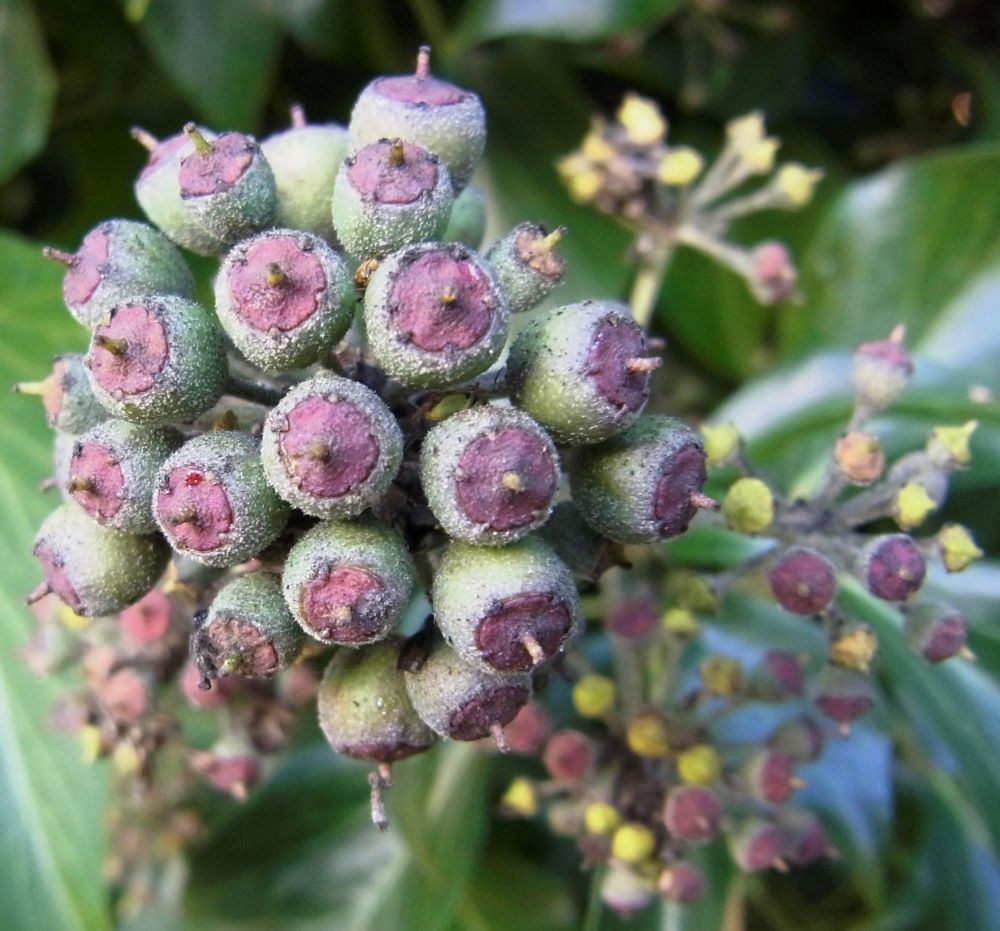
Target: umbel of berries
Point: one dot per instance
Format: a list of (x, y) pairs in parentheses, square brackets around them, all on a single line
[(284, 298), (95, 570), (643, 485), (69, 402), (116, 260), (331, 447), (348, 582), (213, 502), (490, 474), (582, 370), (435, 315), (505, 608), (157, 360)]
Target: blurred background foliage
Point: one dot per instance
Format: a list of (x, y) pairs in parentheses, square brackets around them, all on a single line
[(898, 101)]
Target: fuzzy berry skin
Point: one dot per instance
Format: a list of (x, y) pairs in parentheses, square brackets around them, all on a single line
[(892, 567), (62, 454), (490, 602), (284, 298), (69, 402), (212, 501), (119, 258), (803, 581), (157, 360), (569, 369), (937, 632), (389, 194), (576, 543), (490, 474), (421, 108), (637, 487), (96, 571), (364, 709), (247, 631), (348, 582), (112, 470), (462, 702), (304, 161), (526, 266), (435, 315), (467, 223), (331, 447)]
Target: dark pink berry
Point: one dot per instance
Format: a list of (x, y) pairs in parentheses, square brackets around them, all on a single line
[(937, 632), (195, 507), (147, 620), (842, 694), (803, 581), (682, 883), (84, 274), (693, 813), (770, 776), (528, 731), (499, 636), (633, 618), (756, 846), (129, 351), (805, 839), (779, 675), (342, 605), (616, 348), (893, 567), (568, 755), (375, 174), (97, 482), (217, 169)]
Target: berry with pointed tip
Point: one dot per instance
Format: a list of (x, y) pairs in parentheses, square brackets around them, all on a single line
[(467, 222), (799, 738), (769, 775), (587, 553), (892, 567), (643, 485), (157, 360), (364, 709), (331, 447), (389, 194), (843, 695), (490, 474), (435, 315), (112, 470), (804, 837), (116, 260), (95, 571), (505, 608), (69, 401), (936, 631), (527, 265), (212, 502), (693, 813), (582, 370), (681, 883), (284, 298), (421, 108), (247, 630), (882, 370), (803, 581), (304, 160), (569, 755), (348, 582), (463, 702), (756, 845)]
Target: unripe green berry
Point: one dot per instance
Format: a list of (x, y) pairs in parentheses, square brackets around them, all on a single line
[(389, 194), (435, 315), (505, 608), (213, 502), (581, 370), (112, 471), (587, 553), (117, 259), (364, 709), (439, 116), (348, 582), (68, 399), (95, 571), (331, 447), (490, 474), (463, 702), (284, 298), (304, 161), (247, 631), (467, 223), (642, 485), (157, 360), (526, 265)]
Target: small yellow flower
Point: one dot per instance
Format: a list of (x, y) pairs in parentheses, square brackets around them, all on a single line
[(721, 442), (125, 759), (601, 818), (950, 445), (679, 621), (520, 798), (912, 506), (90, 743), (641, 119), (958, 548), (748, 506), (854, 648), (760, 156), (721, 675), (746, 131), (633, 843), (595, 147), (797, 183), (680, 166), (699, 765), (646, 736), (594, 696)]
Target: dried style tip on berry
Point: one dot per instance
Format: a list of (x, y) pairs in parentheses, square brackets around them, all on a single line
[(643, 485), (681, 883), (157, 360), (843, 695), (505, 608), (421, 108), (69, 402), (305, 160), (582, 370), (112, 470), (95, 571), (937, 632), (331, 447), (463, 702), (693, 813), (748, 506), (882, 370), (348, 582), (527, 265), (588, 554), (467, 223), (247, 631), (756, 845), (769, 775), (389, 194), (892, 567), (859, 457), (803, 581), (435, 315), (213, 503), (116, 260), (490, 474)]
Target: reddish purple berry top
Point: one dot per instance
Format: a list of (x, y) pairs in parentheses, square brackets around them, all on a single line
[(499, 633), (100, 479), (895, 568), (218, 170), (683, 474), (803, 581), (85, 272), (229, 636), (693, 813), (569, 755), (195, 509), (420, 91), (375, 173), (56, 577), (616, 342), (341, 604), (129, 351), (163, 151), (497, 706)]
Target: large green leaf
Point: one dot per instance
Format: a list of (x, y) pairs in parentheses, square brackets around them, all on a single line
[(51, 837)]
